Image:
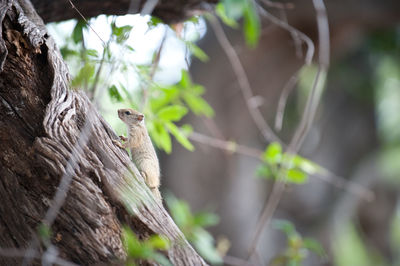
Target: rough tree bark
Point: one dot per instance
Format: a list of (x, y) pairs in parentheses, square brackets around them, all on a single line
[(50, 136)]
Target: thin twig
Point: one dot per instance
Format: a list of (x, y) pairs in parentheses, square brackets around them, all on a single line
[(67, 177), (316, 92), (155, 63), (63, 188), (157, 58), (102, 61), (295, 36), (323, 173), (87, 22), (268, 211), (305, 124), (243, 81), (229, 146), (105, 47), (292, 30), (212, 127), (278, 5), (293, 80), (283, 100), (148, 7)]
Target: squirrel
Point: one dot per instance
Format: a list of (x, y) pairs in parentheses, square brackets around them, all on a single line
[(142, 150)]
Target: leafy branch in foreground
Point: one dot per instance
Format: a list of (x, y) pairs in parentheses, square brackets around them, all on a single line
[(192, 226), (146, 249)]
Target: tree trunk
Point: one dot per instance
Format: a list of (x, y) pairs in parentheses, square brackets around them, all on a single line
[(58, 165), (170, 11)]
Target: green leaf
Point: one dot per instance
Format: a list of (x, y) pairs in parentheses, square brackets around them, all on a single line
[(160, 136), (131, 243), (44, 231), (118, 31), (114, 94), (195, 20), (197, 90), (306, 165), (85, 73), (314, 246), (161, 259), (264, 171), (349, 248), (198, 105), (251, 25), (221, 13), (159, 242), (66, 52), (130, 48), (186, 129), (285, 226), (197, 52), (234, 8), (180, 137), (204, 219), (273, 153), (180, 211), (204, 244), (153, 22), (191, 227), (77, 33), (164, 97), (107, 52), (294, 262), (172, 113), (92, 52), (121, 33), (185, 81), (296, 176)]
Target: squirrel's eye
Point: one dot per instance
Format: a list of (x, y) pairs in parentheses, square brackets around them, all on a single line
[(127, 113)]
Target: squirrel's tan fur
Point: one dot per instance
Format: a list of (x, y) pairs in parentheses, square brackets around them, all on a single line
[(142, 150)]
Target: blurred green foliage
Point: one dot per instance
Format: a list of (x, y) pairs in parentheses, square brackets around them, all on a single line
[(298, 247), (168, 105), (394, 237), (375, 80), (44, 232), (192, 226), (230, 11), (147, 249), (291, 168), (351, 249)]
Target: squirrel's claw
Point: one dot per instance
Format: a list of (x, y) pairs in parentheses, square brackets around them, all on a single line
[(117, 143)]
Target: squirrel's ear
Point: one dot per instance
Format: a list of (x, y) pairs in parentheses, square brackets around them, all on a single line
[(140, 117)]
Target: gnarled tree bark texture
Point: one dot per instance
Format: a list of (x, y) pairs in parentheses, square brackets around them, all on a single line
[(53, 141)]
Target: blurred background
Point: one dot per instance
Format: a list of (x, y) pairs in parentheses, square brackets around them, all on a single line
[(355, 135)]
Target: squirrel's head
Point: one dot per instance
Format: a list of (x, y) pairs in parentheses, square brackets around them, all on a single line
[(130, 116)]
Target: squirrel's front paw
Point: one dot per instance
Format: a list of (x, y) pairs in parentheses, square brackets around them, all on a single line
[(117, 143), (123, 138)]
